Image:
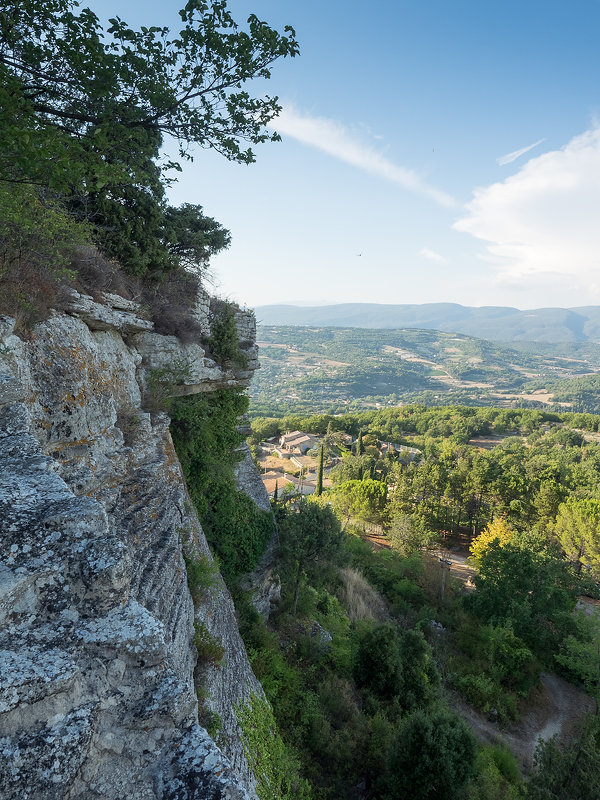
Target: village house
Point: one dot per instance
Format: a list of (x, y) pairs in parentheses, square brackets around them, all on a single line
[(280, 480), (298, 442)]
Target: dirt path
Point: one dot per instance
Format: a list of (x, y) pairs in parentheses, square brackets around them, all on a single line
[(459, 568), (556, 711)]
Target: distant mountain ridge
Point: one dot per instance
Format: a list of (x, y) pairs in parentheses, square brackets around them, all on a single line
[(496, 323)]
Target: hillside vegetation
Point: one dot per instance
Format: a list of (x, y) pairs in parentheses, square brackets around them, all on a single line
[(375, 647), (341, 369)]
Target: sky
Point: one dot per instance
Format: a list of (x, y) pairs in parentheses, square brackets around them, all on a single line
[(431, 151)]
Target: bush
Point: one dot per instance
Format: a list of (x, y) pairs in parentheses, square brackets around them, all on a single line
[(276, 769), (37, 240), (210, 649), (432, 757), (224, 342), (204, 430), (396, 665), (497, 775), (202, 575)]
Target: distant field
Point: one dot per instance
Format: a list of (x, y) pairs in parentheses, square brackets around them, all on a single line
[(342, 369)]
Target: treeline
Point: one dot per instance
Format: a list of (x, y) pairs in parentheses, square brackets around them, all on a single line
[(460, 423)]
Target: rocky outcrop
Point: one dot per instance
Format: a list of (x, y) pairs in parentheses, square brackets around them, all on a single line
[(263, 584), (97, 697)]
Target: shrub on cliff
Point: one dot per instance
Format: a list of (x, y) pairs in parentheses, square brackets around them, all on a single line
[(224, 343), (37, 242), (204, 430)]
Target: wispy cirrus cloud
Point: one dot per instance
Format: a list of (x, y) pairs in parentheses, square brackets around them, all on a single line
[(540, 225), (431, 255), (338, 141), (510, 157)]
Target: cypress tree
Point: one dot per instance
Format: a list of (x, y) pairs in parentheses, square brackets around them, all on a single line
[(319, 491), (360, 449)]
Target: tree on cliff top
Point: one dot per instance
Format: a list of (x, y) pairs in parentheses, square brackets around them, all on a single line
[(83, 111)]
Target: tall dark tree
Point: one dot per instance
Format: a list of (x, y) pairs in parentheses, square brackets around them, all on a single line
[(309, 534), (360, 449), (319, 489)]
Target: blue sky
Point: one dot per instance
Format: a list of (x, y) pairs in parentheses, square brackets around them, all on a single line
[(404, 174)]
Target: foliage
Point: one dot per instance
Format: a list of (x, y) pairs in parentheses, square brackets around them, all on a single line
[(308, 534), (224, 340), (210, 649), (408, 534), (84, 111), (572, 773), (346, 708), (192, 238), (432, 757), (532, 593), (161, 383), (496, 531), (577, 528), (207, 717), (579, 654), (319, 488), (379, 663), (204, 431), (397, 666), (275, 768), (202, 575), (37, 242), (497, 775), (363, 500)]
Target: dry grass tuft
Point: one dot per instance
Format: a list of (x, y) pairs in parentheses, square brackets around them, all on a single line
[(171, 303), (359, 598), (95, 274)]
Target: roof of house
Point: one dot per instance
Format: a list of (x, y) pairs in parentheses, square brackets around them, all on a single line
[(281, 482), (297, 437), (286, 437), (272, 477)]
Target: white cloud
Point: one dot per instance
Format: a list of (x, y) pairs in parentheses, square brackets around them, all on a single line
[(510, 157), (431, 255), (542, 223), (336, 140)]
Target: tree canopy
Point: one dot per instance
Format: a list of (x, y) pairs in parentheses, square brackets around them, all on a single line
[(84, 112), (109, 96)]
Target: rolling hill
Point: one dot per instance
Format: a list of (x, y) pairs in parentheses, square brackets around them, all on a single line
[(339, 369), (496, 323)]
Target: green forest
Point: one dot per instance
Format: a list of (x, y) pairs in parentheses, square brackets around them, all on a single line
[(378, 659)]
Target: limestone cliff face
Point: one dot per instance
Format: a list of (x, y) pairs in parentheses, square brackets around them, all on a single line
[(97, 697)]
